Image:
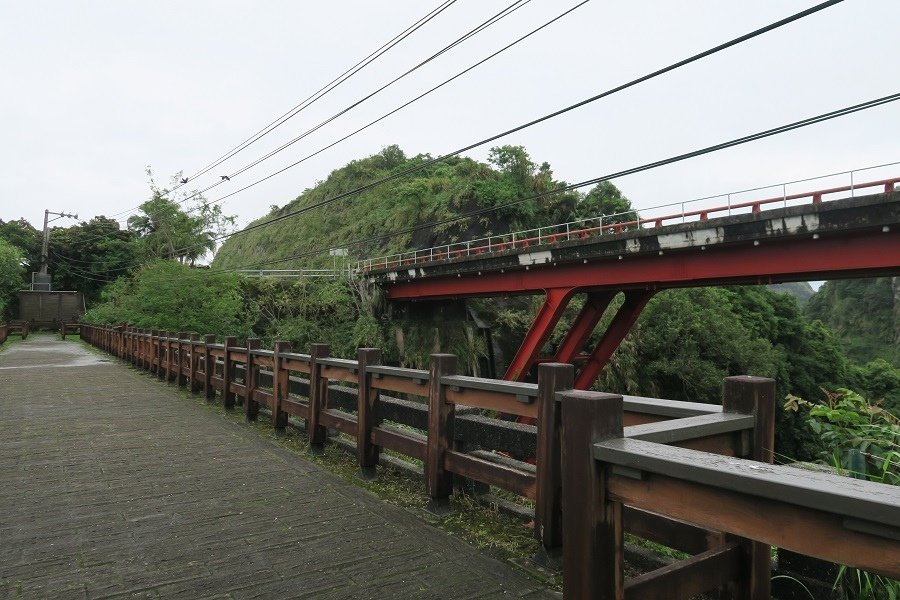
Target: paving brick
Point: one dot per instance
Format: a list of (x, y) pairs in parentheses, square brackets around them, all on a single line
[(114, 486)]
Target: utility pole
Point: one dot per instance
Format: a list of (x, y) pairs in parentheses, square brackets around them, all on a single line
[(45, 248)]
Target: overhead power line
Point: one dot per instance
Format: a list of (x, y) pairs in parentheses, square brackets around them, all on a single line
[(594, 181), (404, 105), (477, 29), (318, 94), (481, 27), (676, 65), (469, 34), (328, 87)]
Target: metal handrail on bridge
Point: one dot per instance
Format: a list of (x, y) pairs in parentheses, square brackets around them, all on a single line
[(615, 223), (294, 273)]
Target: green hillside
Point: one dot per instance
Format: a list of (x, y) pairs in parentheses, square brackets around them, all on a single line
[(436, 192), (865, 315)]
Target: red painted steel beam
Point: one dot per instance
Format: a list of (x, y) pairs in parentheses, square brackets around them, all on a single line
[(628, 313), (862, 255), (555, 302), (594, 306)]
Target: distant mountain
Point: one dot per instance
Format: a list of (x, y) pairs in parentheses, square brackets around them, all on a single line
[(801, 290)]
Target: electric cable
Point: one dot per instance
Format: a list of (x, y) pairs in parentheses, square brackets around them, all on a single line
[(556, 113), (315, 96), (334, 83), (693, 58), (593, 181)]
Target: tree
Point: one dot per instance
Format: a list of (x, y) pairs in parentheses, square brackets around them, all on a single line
[(11, 270), (605, 200), (86, 256), (27, 240), (167, 295), (178, 226)]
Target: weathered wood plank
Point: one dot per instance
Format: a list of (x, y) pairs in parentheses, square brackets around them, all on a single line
[(341, 421), (845, 496), (390, 383), (492, 400), (670, 532), (685, 579), (519, 482), (402, 442), (775, 522)]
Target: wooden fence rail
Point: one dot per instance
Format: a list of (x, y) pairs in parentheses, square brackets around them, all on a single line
[(254, 377), (7, 329), (609, 474)]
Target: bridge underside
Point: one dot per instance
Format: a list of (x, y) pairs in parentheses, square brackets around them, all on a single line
[(858, 237)]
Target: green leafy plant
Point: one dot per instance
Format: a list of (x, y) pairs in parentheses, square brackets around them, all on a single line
[(861, 440), (856, 438)]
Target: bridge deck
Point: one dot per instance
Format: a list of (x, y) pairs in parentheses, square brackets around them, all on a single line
[(111, 485)]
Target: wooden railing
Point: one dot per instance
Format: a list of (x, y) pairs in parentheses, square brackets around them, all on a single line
[(7, 329), (744, 507), (237, 374), (571, 425)]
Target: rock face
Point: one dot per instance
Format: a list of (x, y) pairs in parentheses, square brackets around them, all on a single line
[(865, 315), (801, 290)]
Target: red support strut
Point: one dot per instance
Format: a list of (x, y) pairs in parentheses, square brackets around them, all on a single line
[(555, 302), (628, 313), (594, 306)]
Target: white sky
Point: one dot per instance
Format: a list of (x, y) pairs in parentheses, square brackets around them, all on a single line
[(93, 92)]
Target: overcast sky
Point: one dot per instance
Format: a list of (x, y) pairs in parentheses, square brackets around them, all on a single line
[(94, 92)]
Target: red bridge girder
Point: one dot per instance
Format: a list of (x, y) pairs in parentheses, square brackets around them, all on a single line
[(858, 237)]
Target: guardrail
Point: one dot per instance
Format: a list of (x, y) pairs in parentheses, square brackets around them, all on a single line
[(69, 329), (294, 273), (7, 329), (438, 402), (653, 217), (751, 506)]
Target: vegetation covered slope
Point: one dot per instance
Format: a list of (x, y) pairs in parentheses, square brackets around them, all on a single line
[(865, 315), (437, 192)]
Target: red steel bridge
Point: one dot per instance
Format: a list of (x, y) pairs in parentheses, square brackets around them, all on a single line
[(797, 237)]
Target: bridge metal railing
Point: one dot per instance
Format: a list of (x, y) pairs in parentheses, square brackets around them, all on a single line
[(699, 209), (294, 273)]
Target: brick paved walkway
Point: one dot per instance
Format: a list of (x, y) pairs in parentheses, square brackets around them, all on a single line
[(111, 485)]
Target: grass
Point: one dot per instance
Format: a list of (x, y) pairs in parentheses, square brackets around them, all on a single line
[(11, 339)]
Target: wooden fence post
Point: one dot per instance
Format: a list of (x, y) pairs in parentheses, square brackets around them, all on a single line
[(164, 355), (318, 398), (552, 378), (181, 378), (194, 385), (592, 524), (209, 368), (280, 385), (228, 373), (438, 480), (366, 412), (251, 407), (147, 348), (755, 396), (153, 354)]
